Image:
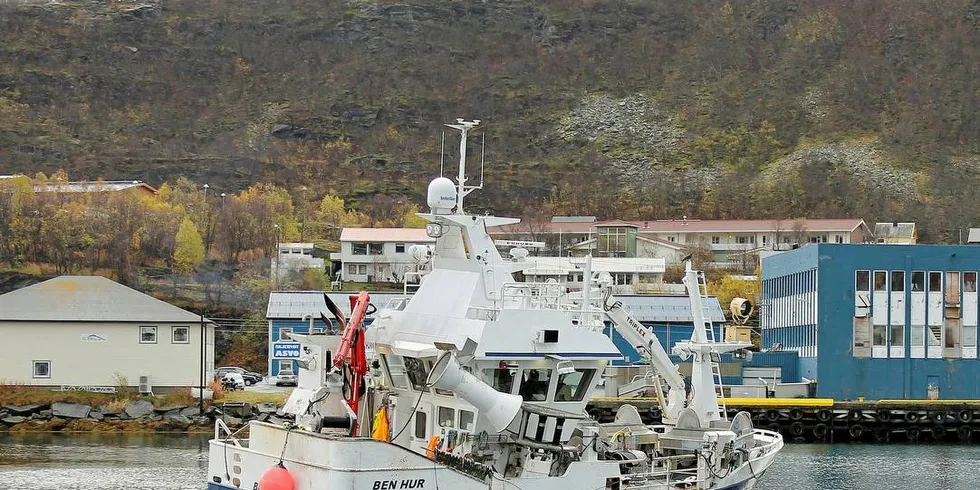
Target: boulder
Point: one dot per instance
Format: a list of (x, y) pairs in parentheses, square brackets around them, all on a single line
[(96, 415), (238, 409), (178, 419), (190, 412), (21, 409), (170, 408), (155, 417), (202, 421), (45, 414), (13, 419), (108, 411), (70, 410), (139, 408), (266, 408), (231, 421)]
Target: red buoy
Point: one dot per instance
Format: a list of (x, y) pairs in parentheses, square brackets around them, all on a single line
[(277, 478)]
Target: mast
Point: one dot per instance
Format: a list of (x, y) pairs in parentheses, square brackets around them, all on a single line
[(462, 190)]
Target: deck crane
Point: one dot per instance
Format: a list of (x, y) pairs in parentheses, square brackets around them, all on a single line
[(647, 343)]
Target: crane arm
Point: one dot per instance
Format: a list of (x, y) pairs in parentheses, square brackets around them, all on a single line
[(649, 345)]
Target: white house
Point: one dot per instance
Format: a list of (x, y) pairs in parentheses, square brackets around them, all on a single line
[(378, 254), (88, 331), (294, 257), (628, 275)]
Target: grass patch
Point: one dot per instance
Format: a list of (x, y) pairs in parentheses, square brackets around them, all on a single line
[(253, 398), (28, 395)]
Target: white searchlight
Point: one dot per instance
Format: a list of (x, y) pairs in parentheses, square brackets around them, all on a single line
[(500, 409)]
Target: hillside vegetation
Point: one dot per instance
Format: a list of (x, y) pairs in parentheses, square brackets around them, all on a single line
[(631, 109)]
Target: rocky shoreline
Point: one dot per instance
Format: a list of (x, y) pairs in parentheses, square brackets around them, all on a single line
[(134, 416)]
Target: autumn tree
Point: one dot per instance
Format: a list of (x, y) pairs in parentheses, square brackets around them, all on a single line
[(189, 251)]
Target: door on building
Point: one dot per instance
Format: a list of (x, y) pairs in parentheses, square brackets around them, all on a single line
[(932, 387)]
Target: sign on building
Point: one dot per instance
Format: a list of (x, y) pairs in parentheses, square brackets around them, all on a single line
[(285, 350)]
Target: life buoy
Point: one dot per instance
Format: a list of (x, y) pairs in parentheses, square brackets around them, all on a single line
[(433, 444)]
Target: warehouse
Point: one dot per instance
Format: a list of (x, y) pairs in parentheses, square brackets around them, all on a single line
[(876, 321)]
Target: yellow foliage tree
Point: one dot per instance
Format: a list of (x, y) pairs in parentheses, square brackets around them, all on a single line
[(189, 251)]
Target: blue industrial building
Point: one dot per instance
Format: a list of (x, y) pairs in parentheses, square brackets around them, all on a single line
[(876, 321)]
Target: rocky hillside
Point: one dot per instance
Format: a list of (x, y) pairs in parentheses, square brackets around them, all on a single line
[(626, 108)]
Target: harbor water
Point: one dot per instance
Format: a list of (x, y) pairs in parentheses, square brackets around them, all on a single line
[(179, 462)]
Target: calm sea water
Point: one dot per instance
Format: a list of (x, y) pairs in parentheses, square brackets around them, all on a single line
[(179, 462)]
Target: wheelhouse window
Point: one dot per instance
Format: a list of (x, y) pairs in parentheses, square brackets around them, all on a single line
[(42, 369), (148, 335), (180, 335), (534, 384), (501, 380), (417, 373), (573, 386), (396, 370), (446, 417), (420, 424), (466, 419)]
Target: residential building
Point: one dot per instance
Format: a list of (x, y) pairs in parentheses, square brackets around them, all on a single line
[(378, 254), (877, 321), (89, 331), (973, 237), (896, 233), (294, 257), (628, 275), (727, 241)]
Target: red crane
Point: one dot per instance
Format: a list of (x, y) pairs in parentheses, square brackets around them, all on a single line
[(351, 356)]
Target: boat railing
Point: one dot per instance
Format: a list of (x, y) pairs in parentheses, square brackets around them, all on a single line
[(533, 296), (224, 434)]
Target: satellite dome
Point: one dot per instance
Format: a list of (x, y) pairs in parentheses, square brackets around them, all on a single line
[(442, 195)]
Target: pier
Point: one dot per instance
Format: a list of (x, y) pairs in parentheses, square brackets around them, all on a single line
[(825, 420)]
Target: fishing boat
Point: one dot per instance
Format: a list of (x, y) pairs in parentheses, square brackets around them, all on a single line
[(475, 380)]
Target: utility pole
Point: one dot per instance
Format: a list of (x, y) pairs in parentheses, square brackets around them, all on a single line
[(200, 392)]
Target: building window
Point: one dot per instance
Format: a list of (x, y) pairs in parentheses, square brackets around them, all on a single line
[(352, 269), (898, 281), (862, 281), (284, 333), (286, 366), (671, 239), (969, 282), (839, 238), (42, 369), (935, 282), (715, 240), (881, 281), (362, 269), (399, 248), (148, 335), (764, 239), (918, 281), (612, 240), (742, 240), (376, 249), (358, 248), (181, 335)]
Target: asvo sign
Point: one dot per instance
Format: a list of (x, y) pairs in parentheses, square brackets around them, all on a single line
[(285, 350)]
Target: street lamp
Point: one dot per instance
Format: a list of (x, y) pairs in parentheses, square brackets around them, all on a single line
[(206, 193), (223, 200)]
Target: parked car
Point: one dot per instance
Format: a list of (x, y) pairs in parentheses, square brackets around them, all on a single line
[(249, 377), (286, 377), (233, 381)]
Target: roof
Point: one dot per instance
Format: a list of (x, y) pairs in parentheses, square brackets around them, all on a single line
[(895, 230), (88, 299), (693, 225), (573, 219), (93, 186), (974, 236), (550, 266), (650, 309), (384, 235), (295, 244), (297, 304)]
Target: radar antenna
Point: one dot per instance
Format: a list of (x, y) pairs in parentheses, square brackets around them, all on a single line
[(463, 127)]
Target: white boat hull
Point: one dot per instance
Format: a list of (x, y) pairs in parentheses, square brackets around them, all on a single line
[(321, 462)]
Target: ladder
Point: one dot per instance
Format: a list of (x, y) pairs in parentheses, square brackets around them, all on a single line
[(709, 332)]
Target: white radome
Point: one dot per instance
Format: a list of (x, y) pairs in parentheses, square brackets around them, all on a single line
[(442, 195)]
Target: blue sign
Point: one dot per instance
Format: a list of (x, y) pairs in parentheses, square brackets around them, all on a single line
[(285, 350)]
